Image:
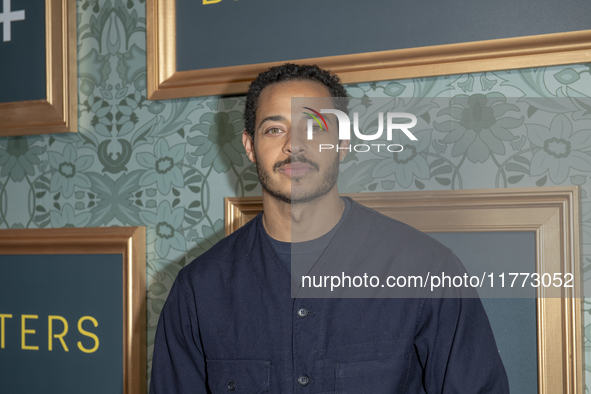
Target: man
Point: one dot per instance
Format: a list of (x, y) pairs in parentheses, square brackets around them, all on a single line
[(231, 324)]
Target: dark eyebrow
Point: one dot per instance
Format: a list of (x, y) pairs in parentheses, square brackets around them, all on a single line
[(273, 118)]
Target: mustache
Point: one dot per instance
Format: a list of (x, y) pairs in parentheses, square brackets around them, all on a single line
[(294, 159)]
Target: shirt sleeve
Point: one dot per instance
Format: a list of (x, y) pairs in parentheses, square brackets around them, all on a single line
[(456, 347), (178, 365)]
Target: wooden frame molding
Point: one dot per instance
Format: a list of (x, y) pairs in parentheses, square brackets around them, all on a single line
[(127, 241), (58, 113), (165, 82), (552, 213)]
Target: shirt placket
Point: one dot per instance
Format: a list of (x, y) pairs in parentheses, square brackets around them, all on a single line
[(309, 338)]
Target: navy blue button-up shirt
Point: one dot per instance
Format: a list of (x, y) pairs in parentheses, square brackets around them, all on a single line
[(231, 325)]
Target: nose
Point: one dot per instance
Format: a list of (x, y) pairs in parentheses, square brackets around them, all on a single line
[(296, 143)]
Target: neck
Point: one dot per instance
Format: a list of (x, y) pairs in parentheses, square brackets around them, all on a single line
[(301, 222)]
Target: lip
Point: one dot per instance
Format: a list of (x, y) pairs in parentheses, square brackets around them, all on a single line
[(296, 169)]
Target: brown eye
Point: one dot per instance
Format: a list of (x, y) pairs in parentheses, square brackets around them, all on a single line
[(274, 130)]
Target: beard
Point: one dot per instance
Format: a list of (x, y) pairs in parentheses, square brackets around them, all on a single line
[(298, 195)]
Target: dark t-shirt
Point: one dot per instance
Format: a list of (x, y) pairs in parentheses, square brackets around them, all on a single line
[(300, 257)]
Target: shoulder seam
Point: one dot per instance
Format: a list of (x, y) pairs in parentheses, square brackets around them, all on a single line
[(180, 277)]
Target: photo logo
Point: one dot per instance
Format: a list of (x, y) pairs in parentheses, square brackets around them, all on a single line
[(345, 129), (316, 119)]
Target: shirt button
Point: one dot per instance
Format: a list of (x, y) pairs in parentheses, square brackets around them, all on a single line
[(302, 312), (231, 386), (303, 380)]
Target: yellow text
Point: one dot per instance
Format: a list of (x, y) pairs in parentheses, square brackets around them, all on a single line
[(88, 334), (57, 329)]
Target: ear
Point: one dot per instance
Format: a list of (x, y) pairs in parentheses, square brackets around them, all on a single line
[(248, 146), (343, 149)]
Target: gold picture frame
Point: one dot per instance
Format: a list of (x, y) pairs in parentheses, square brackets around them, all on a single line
[(551, 213), (165, 82), (130, 242), (58, 113)]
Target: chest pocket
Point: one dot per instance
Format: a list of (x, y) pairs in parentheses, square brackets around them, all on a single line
[(375, 377), (238, 376)]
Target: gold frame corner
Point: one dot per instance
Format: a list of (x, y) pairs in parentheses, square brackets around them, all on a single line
[(165, 82), (58, 112), (130, 242), (552, 213)]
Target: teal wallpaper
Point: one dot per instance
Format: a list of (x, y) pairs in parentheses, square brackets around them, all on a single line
[(167, 165)]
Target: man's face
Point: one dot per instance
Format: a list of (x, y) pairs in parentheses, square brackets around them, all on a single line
[(290, 167)]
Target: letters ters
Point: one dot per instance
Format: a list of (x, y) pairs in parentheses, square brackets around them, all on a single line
[(57, 329)]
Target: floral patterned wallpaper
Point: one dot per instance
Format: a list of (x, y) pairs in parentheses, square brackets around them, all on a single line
[(167, 165)]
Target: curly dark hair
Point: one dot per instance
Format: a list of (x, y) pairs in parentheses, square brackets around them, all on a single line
[(290, 72)]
